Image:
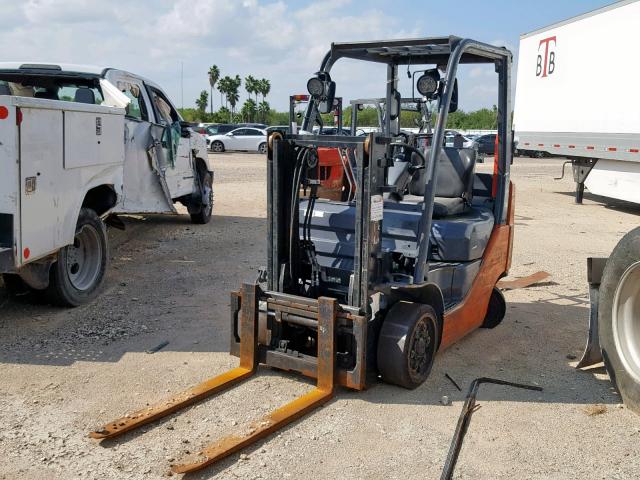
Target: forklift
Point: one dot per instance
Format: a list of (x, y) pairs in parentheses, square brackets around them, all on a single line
[(370, 287)]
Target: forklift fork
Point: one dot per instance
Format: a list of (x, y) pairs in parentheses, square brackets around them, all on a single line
[(327, 311)]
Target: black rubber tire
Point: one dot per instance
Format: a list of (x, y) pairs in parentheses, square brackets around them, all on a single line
[(203, 214), (14, 284), (262, 148), (626, 253), (61, 291), (219, 145), (496, 310), (398, 345), (539, 154)]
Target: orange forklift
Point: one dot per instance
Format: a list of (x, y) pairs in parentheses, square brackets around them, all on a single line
[(369, 287)]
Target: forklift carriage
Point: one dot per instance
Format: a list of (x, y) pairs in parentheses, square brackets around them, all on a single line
[(372, 285)]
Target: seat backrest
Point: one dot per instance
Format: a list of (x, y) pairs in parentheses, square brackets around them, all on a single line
[(4, 89), (85, 95), (454, 175), (46, 94)]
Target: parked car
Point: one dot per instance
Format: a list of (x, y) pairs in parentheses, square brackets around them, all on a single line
[(486, 144), (450, 139), (243, 138), (335, 131), (261, 126)]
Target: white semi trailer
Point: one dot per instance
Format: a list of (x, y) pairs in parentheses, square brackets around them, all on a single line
[(577, 96)]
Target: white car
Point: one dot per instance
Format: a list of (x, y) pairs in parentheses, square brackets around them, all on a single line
[(243, 138)]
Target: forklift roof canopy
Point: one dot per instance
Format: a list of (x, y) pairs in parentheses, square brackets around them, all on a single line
[(434, 50)]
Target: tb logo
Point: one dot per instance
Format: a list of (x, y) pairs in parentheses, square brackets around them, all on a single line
[(547, 61)]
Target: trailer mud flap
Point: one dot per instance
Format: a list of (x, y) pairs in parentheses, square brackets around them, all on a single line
[(592, 352)]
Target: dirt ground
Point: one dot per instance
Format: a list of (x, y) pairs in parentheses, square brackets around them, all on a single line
[(64, 372)]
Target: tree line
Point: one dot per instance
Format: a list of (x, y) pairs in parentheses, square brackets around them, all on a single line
[(256, 108), (252, 110)]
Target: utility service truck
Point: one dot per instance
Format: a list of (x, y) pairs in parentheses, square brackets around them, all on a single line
[(568, 107), (77, 146)]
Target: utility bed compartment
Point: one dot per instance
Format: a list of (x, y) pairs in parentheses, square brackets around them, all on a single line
[(51, 152)]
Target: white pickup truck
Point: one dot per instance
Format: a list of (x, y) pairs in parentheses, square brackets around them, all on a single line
[(79, 145)]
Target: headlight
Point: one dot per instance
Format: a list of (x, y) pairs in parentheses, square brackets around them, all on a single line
[(427, 85), (315, 86)]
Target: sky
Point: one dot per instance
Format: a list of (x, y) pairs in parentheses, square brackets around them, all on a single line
[(282, 40)]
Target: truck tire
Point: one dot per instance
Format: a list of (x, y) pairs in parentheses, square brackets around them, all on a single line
[(619, 318), (407, 344), (201, 213), (75, 278)]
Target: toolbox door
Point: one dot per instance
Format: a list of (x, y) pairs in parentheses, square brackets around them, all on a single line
[(41, 161)]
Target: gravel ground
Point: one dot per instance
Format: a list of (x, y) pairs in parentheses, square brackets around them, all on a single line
[(66, 371)]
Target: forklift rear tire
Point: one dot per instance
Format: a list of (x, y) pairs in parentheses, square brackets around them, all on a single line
[(407, 344), (79, 272), (496, 310), (619, 318)]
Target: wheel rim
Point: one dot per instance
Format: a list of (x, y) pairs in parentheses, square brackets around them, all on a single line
[(419, 356), (216, 147), (84, 258), (626, 320), (262, 148)]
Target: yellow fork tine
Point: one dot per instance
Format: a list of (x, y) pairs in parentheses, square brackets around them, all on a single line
[(327, 309)]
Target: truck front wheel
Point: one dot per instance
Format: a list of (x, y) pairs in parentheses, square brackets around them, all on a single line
[(79, 272), (619, 318)]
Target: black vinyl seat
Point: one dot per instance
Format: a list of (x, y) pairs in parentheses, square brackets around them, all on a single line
[(85, 95), (4, 89), (454, 181)]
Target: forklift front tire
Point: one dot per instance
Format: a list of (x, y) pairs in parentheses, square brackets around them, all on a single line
[(407, 344)]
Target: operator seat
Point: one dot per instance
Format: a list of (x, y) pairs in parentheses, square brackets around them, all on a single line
[(4, 89), (85, 95), (454, 181)]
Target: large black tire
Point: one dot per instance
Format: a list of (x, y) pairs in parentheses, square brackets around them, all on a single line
[(496, 310), (78, 274), (201, 214), (262, 148), (407, 344), (619, 318), (14, 284)]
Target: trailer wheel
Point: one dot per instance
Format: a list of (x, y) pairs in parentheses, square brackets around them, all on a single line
[(496, 310), (14, 284), (79, 272), (619, 318), (204, 209), (407, 344)]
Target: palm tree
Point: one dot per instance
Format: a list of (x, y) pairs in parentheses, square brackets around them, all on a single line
[(233, 94), (223, 86), (201, 102), (214, 75), (248, 111), (251, 86), (264, 87), (263, 110)]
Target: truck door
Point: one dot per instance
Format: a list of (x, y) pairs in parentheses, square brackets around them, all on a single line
[(143, 190), (179, 173), (41, 182)]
